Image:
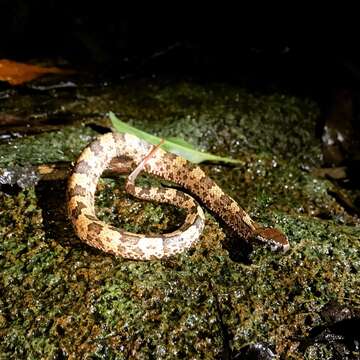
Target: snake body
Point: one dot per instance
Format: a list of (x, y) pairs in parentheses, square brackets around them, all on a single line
[(127, 152)]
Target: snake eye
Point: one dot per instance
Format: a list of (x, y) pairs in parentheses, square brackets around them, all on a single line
[(276, 239)]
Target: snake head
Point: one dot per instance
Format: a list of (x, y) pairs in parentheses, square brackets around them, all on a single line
[(273, 237)]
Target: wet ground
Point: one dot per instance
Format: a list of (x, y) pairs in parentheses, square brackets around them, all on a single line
[(61, 299)]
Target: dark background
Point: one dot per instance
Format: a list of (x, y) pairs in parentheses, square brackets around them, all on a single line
[(298, 50)]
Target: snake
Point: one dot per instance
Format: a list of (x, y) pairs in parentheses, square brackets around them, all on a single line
[(132, 155)]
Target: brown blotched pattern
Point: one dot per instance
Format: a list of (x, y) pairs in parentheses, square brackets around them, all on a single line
[(97, 157)]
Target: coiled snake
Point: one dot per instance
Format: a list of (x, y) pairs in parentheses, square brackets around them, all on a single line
[(131, 154)]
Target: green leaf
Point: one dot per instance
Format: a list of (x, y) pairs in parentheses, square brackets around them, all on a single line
[(180, 141), (174, 145)]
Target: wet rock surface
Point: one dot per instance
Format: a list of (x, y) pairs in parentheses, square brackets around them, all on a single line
[(60, 298)]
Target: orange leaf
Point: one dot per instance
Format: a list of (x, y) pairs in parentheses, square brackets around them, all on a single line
[(18, 73)]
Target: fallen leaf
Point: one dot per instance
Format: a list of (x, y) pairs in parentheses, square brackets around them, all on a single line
[(16, 73), (174, 145)]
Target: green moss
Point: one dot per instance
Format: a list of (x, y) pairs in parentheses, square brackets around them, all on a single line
[(49, 147), (115, 206), (61, 298)]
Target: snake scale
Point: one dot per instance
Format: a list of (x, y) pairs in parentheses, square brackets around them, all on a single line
[(132, 155)]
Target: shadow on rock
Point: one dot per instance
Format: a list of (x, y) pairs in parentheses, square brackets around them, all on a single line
[(52, 201)]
